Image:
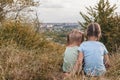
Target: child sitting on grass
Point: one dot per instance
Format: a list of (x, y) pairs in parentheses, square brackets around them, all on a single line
[(93, 52), (74, 39)]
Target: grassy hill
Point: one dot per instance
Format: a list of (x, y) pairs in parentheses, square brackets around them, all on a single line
[(27, 55)]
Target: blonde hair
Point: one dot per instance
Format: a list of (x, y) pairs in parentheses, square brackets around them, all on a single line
[(75, 36)]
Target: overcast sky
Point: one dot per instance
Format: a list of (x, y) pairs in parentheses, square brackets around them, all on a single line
[(59, 11)]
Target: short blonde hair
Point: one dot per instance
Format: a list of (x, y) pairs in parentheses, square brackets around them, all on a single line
[(75, 36)]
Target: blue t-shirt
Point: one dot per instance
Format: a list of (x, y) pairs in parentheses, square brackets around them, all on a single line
[(93, 52)]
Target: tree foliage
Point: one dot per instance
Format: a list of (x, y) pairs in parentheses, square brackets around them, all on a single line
[(104, 14), (7, 6)]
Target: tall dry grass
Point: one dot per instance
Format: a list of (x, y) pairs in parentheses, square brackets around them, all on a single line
[(113, 72), (27, 55), (19, 64)]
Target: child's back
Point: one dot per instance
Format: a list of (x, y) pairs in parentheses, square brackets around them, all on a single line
[(74, 39), (94, 52), (70, 57)]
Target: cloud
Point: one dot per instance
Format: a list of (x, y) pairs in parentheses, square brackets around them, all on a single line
[(65, 10), (55, 4), (52, 6)]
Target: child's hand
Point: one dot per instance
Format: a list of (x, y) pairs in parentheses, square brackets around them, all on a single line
[(67, 75), (107, 65), (107, 61)]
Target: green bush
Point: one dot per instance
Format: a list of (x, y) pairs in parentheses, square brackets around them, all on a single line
[(24, 35)]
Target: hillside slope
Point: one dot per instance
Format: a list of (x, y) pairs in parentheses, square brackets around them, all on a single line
[(27, 55)]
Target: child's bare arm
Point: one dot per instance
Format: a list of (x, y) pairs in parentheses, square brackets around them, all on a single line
[(78, 63), (106, 61)]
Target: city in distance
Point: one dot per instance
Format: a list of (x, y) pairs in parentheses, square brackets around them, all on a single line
[(59, 26)]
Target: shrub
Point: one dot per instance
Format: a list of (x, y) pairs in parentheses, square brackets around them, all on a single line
[(27, 55), (22, 34)]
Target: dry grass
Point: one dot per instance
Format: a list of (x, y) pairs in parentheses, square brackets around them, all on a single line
[(26, 55), (19, 64), (22, 34), (114, 71)]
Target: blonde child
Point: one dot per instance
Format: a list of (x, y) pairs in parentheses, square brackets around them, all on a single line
[(93, 52), (74, 39)]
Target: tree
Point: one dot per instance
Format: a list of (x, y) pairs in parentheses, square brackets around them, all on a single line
[(7, 6), (104, 14), (3, 4)]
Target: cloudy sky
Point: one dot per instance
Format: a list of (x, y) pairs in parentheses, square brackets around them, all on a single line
[(65, 10)]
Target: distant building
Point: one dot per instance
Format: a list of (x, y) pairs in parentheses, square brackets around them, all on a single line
[(57, 26)]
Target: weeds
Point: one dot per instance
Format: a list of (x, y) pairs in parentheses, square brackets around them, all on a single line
[(27, 55)]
